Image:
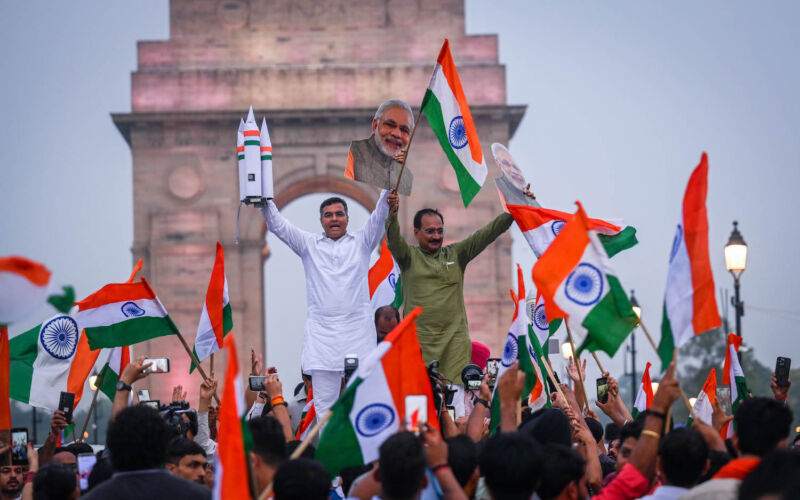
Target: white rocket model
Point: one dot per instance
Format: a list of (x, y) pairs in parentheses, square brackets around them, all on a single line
[(254, 151)]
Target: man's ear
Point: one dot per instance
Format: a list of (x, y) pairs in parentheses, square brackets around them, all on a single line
[(571, 490), (735, 441), (706, 467), (171, 467), (376, 473), (374, 125), (254, 458)]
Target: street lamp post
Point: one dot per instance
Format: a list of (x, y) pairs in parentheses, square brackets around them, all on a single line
[(736, 262), (632, 348)]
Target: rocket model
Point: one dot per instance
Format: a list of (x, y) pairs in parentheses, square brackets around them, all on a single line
[(254, 152)]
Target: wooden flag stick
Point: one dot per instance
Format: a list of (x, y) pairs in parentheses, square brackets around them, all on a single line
[(577, 362), (195, 361), (408, 147), (647, 334), (552, 378), (597, 360), (97, 383)]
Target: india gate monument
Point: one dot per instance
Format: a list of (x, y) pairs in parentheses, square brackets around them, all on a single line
[(317, 69)]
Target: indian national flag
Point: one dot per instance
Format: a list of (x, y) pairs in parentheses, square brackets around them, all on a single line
[(230, 474), (46, 360), (24, 287), (372, 406), (644, 398), (733, 376), (385, 285), (542, 328), (216, 319), (121, 314), (518, 348), (575, 279), (690, 306), (107, 379), (307, 417), (704, 404), (540, 226), (445, 106), (539, 398)]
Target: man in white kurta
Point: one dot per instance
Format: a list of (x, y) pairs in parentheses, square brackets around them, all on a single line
[(339, 318)]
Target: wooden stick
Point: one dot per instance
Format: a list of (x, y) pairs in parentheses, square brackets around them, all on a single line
[(408, 147), (647, 334), (311, 434), (97, 383), (597, 360), (552, 378), (196, 362), (577, 361), (211, 365)]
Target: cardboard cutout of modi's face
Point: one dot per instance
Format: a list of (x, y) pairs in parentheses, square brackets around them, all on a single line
[(512, 183), (372, 160)]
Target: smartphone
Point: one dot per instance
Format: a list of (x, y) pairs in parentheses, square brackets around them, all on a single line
[(152, 403), (86, 463), (144, 394), (782, 367), (19, 446), (724, 398), (492, 366), (66, 403), (350, 366), (416, 411), (157, 365), (256, 383), (452, 411), (602, 390)]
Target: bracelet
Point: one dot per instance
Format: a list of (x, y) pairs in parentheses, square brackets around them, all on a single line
[(28, 477), (648, 432), (277, 400), (662, 416), (439, 467), (481, 401)]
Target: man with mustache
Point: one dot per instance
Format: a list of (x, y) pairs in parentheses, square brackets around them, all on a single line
[(11, 481), (377, 160), (339, 316)]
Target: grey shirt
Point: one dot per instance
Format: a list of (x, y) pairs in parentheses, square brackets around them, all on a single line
[(373, 167)]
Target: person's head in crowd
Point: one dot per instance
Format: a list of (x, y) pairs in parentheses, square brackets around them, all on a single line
[(596, 429), (776, 477), (187, 459), (628, 436), (11, 479), (392, 126), (208, 479), (63, 455), (511, 464), (79, 447), (333, 217), (682, 457), (761, 424), (386, 318), (301, 479), (563, 474), (462, 457), (137, 439), (429, 229), (401, 467), (101, 471), (55, 481), (269, 448), (549, 425), (350, 474), (611, 436), (309, 452), (480, 355)]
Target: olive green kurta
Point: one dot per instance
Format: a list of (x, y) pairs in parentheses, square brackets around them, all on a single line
[(435, 282)]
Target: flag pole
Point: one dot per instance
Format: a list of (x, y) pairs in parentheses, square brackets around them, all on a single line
[(97, 383), (597, 360), (647, 334), (684, 397), (577, 361), (553, 380), (195, 361), (408, 147)]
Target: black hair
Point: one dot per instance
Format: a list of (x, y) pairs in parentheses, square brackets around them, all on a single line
[(379, 313), (596, 428), (331, 201), (180, 447), (511, 464), (425, 211), (761, 423), (683, 453), (611, 432), (462, 457), (301, 479), (102, 471), (269, 442), (631, 429), (549, 425), (350, 474), (309, 452), (716, 460), (562, 467), (137, 439), (54, 481), (401, 466), (777, 476), (79, 447)]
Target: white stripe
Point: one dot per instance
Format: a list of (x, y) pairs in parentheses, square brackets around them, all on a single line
[(239, 391), (702, 408), (111, 314), (205, 343), (19, 297), (641, 399), (384, 293), (225, 298), (115, 360), (539, 238), (216, 493), (373, 395), (450, 110), (50, 374), (678, 297)]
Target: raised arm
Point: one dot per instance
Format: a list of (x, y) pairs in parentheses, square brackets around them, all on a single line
[(372, 232), (469, 248), (294, 237), (401, 251)]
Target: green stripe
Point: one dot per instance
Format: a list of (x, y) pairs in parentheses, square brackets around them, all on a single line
[(247, 438), (338, 446), (540, 357), (615, 243), (252, 143), (743, 393), (666, 345), (129, 332), (398, 293), (610, 320), (266, 157), (241, 157), (107, 381), (227, 319), (23, 350), (64, 301), (433, 112)]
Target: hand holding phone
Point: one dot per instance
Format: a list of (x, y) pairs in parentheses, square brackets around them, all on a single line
[(66, 403), (782, 367), (157, 365), (256, 383), (602, 390)]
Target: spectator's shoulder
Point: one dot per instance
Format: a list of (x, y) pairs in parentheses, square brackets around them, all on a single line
[(714, 489)]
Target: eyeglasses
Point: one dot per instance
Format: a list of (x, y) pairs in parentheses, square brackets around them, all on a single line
[(431, 230)]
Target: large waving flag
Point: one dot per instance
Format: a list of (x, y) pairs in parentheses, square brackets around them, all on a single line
[(385, 285), (123, 314), (445, 106), (373, 404), (234, 439), (540, 226), (644, 398), (24, 287), (704, 404), (733, 376), (575, 279), (216, 320), (690, 306)]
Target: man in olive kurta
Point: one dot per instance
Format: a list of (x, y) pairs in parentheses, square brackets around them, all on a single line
[(433, 278)]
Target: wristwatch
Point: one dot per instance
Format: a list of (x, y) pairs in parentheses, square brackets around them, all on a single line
[(122, 386)]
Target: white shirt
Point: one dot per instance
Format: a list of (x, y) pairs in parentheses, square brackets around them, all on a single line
[(665, 492), (339, 318)]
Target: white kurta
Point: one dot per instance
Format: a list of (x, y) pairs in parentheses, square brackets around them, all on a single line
[(339, 317)]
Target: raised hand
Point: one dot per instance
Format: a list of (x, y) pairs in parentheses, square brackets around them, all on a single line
[(255, 363), (135, 371), (394, 201), (207, 390), (780, 393), (178, 393), (273, 386), (527, 192), (572, 369), (400, 156)]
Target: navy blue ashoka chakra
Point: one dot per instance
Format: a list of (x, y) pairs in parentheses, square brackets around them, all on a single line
[(510, 351), (131, 310), (584, 285), (59, 337), (374, 419), (457, 133), (556, 226), (540, 318)]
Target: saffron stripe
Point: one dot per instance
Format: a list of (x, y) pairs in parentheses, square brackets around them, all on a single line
[(248, 133), (34, 272), (266, 148), (116, 292)]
